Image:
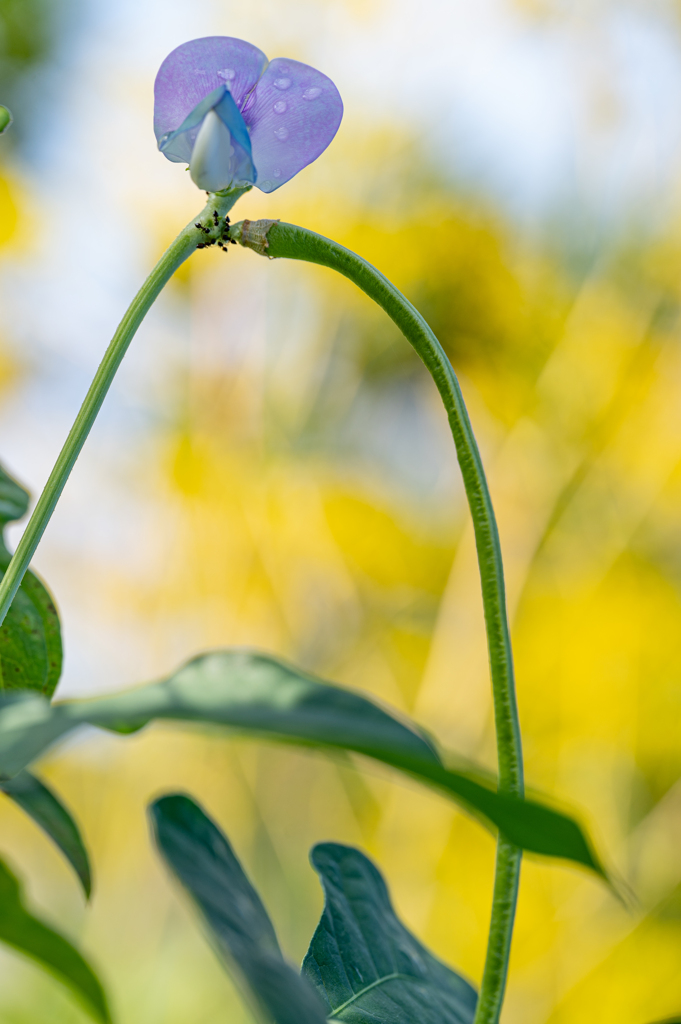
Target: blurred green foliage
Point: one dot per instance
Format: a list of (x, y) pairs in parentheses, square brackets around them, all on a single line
[(28, 33)]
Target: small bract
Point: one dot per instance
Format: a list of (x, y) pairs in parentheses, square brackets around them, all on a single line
[(237, 119)]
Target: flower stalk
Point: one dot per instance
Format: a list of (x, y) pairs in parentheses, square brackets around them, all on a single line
[(275, 239), (189, 239)]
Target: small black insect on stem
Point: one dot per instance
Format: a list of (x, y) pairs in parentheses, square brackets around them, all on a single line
[(223, 237)]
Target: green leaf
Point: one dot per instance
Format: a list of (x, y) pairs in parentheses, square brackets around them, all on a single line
[(366, 966), (262, 695), (18, 928), (13, 499), (30, 636), (41, 804), (201, 857)]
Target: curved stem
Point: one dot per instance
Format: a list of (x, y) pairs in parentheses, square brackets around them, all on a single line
[(275, 239), (183, 246)]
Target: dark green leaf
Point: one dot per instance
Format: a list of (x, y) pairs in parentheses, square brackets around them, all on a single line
[(42, 805), (13, 499), (365, 965), (262, 695), (200, 856), (51, 950), (36, 591), (23, 651), (30, 636)]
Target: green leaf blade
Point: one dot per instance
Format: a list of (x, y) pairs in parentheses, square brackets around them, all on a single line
[(259, 694), (30, 936), (367, 967), (43, 603), (41, 804), (13, 499), (30, 635), (29, 725), (201, 857), (23, 650)]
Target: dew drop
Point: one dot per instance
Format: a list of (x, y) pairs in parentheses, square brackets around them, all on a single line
[(279, 107), (282, 83), (281, 133), (312, 94), (277, 172), (265, 185), (227, 74)]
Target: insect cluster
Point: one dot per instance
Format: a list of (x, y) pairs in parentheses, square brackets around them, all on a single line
[(218, 233)]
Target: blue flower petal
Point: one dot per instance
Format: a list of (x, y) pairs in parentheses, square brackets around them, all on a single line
[(196, 69), (243, 169), (293, 114), (178, 146)]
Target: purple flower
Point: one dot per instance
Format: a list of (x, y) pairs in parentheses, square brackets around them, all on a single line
[(238, 120)]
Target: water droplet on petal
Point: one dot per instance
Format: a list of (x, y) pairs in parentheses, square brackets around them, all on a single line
[(277, 172), (282, 83), (227, 74), (265, 185), (279, 107), (281, 133), (284, 69), (312, 94)]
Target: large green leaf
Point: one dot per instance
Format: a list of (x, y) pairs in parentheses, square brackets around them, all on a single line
[(46, 809), (367, 967), (30, 636), (201, 857), (18, 928), (262, 695)]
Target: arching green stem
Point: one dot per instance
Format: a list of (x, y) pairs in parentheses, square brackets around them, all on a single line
[(183, 246), (275, 239)]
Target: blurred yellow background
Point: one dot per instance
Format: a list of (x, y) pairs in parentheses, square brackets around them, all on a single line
[(273, 468)]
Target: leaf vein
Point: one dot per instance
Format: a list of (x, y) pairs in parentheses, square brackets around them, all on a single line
[(374, 984)]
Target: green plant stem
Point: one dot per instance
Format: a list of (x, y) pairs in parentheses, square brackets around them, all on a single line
[(183, 246), (276, 239)]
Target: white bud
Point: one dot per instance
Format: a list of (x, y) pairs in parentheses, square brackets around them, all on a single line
[(211, 157)]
